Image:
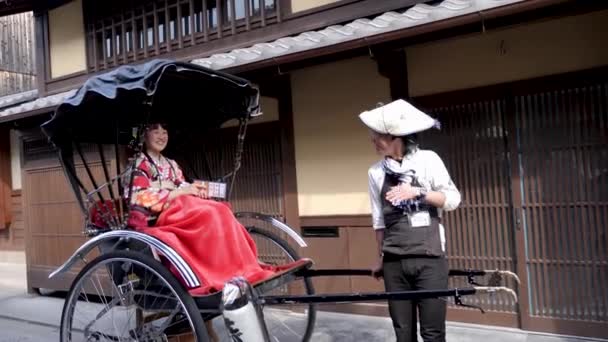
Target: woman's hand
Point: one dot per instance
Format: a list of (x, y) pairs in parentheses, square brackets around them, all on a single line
[(191, 190), (401, 192), (186, 190), (202, 193)]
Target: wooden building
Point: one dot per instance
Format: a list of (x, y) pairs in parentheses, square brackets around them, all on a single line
[(521, 88), (17, 84)]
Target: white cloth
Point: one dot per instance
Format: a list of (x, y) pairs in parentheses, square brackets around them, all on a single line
[(397, 118), (431, 174)]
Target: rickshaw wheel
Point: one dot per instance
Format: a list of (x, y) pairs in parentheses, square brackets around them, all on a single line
[(282, 325), (129, 296)]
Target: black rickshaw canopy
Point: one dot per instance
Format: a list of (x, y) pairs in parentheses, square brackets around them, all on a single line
[(183, 95), (113, 108)]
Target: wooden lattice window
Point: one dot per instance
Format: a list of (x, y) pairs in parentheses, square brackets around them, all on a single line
[(38, 148), (121, 32)]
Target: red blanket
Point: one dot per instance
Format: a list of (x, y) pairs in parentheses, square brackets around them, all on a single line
[(211, 240)]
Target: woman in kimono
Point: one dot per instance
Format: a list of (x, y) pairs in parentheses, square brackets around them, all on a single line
[(204, 232)]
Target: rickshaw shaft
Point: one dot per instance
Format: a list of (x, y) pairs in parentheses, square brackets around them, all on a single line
[(362, 297), (367, 272)]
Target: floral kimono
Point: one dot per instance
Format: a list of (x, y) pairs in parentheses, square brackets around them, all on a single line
[(152, 183), (204, 232)]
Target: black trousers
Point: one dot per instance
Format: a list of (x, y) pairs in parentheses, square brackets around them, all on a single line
[(417, 273)]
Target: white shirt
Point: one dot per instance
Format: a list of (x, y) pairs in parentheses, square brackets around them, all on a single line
[(431, 174)]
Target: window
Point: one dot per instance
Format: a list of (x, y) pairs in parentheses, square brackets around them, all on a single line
[(121, 32)]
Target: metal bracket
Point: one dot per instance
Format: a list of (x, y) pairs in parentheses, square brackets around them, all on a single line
[(471, 280), (458, 301), (497, 276)]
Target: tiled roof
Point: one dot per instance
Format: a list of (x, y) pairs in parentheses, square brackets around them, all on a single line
[(40, 103), (361, 28), (15, 99)]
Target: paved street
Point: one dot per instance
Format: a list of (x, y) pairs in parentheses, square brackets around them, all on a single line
[(33, 318), (29, 317), (17, 331)]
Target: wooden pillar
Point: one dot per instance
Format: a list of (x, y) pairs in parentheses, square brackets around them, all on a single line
[(392, 64), (279, 87), (41, 49), (288, 152), (5, 179)]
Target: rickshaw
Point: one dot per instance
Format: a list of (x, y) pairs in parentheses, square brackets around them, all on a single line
[(134, 287)]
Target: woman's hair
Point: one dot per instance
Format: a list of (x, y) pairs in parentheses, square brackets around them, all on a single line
[(154, 125), (148, 127)]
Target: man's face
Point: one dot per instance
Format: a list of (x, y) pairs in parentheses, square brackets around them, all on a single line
[(385, 144)]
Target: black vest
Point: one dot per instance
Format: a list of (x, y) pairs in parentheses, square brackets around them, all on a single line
[(399, 237)]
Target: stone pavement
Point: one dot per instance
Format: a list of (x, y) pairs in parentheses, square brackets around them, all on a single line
[(34, 318)]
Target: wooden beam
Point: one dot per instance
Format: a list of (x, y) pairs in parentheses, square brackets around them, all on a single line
[(19, 6), (41, 50), (392, 64), (360, 220)]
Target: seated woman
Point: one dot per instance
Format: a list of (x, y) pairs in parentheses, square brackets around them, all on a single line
[(204, 232)]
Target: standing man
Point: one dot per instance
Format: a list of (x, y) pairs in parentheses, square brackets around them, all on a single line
[(409, 188)]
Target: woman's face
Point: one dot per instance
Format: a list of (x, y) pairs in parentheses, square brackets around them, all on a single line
[(156, 139), (385, 144)]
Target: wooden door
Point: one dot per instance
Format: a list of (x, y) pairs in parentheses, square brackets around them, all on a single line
[(562, 158), (473, 145), (531, 160)]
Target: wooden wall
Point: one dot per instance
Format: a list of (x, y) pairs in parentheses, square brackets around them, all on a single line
[(13, 238), (54, 222), (17, 67), (346, 241)]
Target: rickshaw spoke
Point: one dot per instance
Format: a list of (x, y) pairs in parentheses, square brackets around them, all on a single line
[(109, 306), (169, 319), (101, 314), (102, 297), (129, 322), (274, 250), (116, 289), (138, 309), (113, 300)]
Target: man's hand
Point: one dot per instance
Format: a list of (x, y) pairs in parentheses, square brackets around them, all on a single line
[(377, 270), (401, 192)]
